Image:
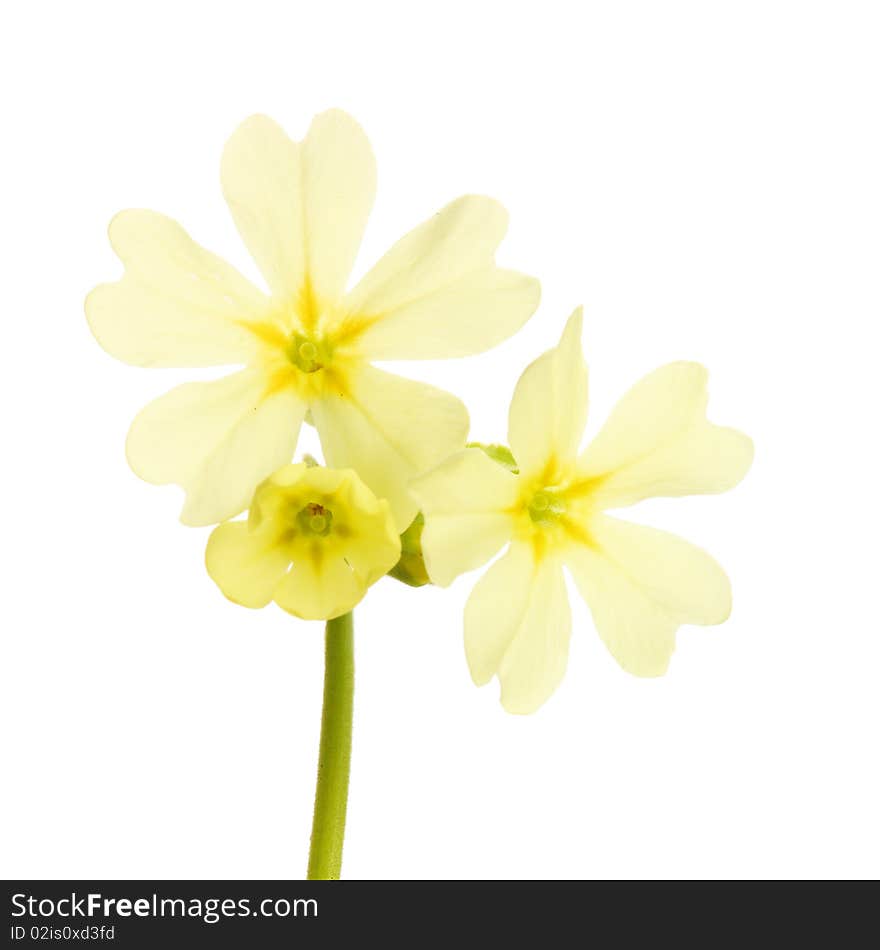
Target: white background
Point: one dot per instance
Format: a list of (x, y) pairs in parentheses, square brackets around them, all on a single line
[(705, 179)]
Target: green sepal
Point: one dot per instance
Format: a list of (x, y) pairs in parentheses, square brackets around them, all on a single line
[(498, 453), (410, 569)]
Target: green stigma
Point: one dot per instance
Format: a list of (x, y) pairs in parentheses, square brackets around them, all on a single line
[(315, 519), (546, 507), (306, 354)]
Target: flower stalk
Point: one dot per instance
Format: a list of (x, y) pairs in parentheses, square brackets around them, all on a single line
[(334, 756)]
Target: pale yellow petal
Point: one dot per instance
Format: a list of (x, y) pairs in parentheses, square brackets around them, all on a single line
[(320, 589), (247, 567), (437, 292), (641, 584), (371, 541), (261, 174), (549, 407), (517, 626), (218, 440), (389, 429), (301, 208), (494, 610), (466, 501), (470, 316), (455, 242), (339, 187), (658, 441), (536, 660), (177, 305)]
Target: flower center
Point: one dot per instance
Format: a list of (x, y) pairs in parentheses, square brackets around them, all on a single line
[(306, 354), (315, 519), (546, 507)]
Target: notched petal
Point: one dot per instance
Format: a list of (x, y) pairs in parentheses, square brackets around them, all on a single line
[(658, 442)]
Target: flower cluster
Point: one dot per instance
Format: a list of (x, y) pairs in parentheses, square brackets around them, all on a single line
[(401, 493)]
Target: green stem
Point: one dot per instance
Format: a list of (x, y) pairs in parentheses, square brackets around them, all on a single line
[(334, 757)]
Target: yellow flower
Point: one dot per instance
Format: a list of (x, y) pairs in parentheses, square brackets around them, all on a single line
[(314, 541), (301, 209), (640, 583)]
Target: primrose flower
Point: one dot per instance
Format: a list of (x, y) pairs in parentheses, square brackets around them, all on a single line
[(306, 347), (315, 539), (640, 583)]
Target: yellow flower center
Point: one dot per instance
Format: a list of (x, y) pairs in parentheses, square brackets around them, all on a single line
[(313, 360), (542, 511), (552, 516)]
